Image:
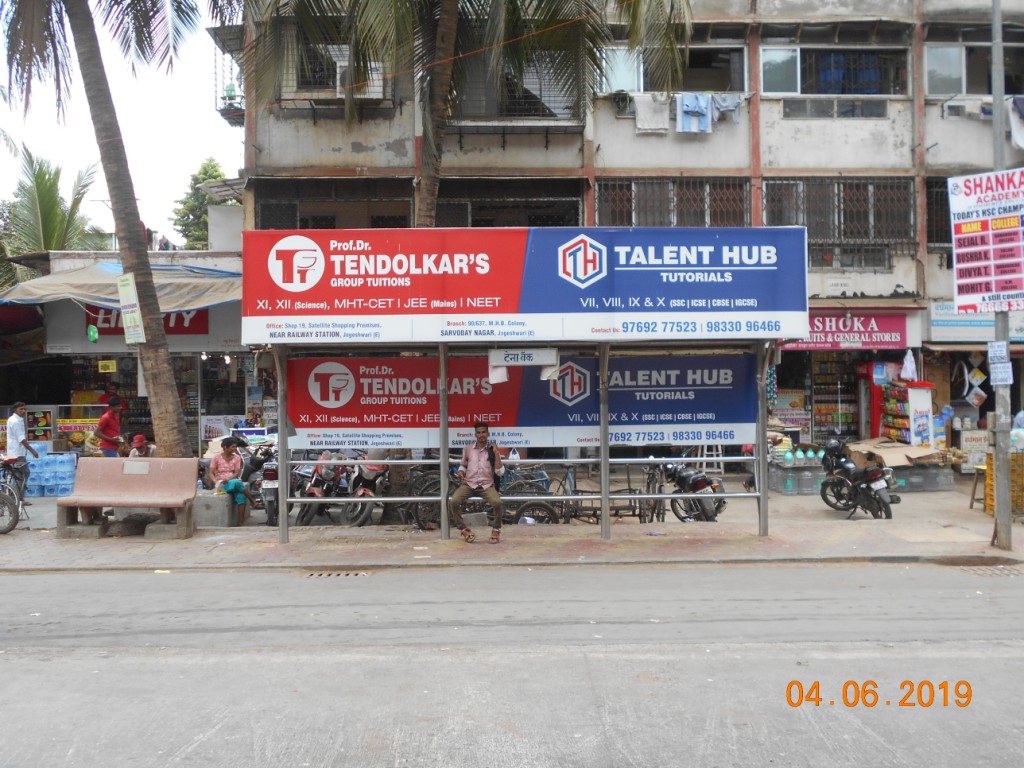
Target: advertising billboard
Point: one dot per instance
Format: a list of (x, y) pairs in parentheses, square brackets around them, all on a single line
[(395, 402), (986, 211), (523, 285)]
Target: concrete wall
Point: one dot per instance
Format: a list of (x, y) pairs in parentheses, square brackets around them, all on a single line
[(230, 261), (301, 142), (829, 144)]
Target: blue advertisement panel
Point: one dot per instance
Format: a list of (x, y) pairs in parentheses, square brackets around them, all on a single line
[(528, 285)]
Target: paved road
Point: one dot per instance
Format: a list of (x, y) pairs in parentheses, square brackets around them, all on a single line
[(558, 666)]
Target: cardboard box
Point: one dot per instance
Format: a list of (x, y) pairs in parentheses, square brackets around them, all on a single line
[(890, 453)]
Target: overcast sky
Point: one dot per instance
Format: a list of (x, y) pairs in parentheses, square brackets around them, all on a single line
[(170, 126)]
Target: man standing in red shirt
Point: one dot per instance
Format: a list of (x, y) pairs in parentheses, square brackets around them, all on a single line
[(108, 431)]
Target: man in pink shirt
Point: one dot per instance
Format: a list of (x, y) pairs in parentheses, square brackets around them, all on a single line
[(480, 463)]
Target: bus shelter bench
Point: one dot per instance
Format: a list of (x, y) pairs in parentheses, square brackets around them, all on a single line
[(168, 485)]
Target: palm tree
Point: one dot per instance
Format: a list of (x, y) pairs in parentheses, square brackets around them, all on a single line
[(42, 220), (435, 39), (5, 138), (35, 34)]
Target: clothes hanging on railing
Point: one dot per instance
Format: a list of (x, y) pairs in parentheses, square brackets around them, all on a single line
[(726, 102), (652, 112), (693, 112)]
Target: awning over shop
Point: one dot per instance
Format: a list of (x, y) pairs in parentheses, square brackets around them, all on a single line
[(961, 346), (178, 288)]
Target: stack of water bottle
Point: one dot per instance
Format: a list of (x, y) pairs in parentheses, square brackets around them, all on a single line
[(798, 472), (52, 474)]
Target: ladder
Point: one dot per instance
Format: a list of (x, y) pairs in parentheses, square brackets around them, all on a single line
[(710, 452)]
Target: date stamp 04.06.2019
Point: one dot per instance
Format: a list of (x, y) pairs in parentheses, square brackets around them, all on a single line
[(866, 693)]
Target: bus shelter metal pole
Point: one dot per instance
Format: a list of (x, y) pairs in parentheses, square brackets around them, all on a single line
[(765, 354), (284, 482), (606, 527), (442, 435)]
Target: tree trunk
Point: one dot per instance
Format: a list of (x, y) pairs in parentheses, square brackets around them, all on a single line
[(164, 403), (432, 147)]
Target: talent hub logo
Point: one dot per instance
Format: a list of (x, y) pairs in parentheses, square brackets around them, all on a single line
[(331, 385), (582, 261), (296, 263), (571, 385)]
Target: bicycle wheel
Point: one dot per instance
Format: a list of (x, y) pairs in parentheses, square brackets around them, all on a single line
[(8, 513), (513, 509), (541, 512), (652, 510), (426, 514)]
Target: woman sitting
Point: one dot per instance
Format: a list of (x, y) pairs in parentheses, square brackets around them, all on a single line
[(226, 471)]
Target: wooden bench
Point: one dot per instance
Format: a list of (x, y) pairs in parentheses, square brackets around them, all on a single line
[(165, 484)]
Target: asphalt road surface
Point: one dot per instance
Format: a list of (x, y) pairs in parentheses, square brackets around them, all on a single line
[(860, 665)]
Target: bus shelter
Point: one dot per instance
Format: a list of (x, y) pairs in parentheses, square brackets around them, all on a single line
[(596, 337)]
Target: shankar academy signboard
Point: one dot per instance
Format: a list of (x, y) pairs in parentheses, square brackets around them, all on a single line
[(394, 403), (523, 285), (986, 212)]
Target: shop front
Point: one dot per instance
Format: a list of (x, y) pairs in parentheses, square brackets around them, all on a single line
[(88, 360), (956, 356), (833, 383)]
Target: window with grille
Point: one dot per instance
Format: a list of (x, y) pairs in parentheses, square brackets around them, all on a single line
[(697, 202), (851, 223), (853, 71), (937, 211)]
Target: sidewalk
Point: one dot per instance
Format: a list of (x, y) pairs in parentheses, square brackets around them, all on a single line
[(935, 527)]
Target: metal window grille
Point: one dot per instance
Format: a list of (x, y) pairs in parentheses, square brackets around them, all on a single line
[(851, 223), (940, 232), (690, 202), (853, 71)]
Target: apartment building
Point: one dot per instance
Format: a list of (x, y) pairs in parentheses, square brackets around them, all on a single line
[(846, 118)]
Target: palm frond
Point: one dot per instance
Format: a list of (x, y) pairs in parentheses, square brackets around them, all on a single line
[(149, 31), (35, 35)]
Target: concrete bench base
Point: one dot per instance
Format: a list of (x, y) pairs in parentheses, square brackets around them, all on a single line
[(214, 510), (84, 531)]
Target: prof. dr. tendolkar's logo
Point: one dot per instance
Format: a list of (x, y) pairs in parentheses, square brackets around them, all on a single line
[(331, 384), (582, 261), (296, 263)]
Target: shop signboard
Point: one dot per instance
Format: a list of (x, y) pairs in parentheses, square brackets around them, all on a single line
[(949, 326), (394, 402), (523, 285), (986, 211), (109, 322), (844, 329)]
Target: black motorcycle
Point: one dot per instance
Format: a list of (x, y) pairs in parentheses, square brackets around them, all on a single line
[(837, 489), (849, 487), (710, 502)]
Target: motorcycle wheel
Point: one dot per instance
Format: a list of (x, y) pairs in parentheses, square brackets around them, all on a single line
[(880, 510), (306, 514), (681, 509), (352, 513), (837, 492), (8, 513), (271, 507)]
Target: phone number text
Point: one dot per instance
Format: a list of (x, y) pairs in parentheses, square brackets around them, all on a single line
[(700, 326), (674, 435)]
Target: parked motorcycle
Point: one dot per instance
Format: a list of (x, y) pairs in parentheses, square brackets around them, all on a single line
[(848, 487), (837, 489), (332, 481), (269, 488), (687, 478)]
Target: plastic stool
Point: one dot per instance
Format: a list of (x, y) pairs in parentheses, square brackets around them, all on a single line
[(979, 472)]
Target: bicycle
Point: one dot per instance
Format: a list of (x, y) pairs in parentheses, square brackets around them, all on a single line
[(13, 477)]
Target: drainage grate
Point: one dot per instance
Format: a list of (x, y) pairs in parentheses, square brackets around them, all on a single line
[(993, 570), (334, 574)]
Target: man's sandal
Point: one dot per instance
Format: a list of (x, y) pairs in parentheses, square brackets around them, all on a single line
[(468, 535), (495, 535)]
